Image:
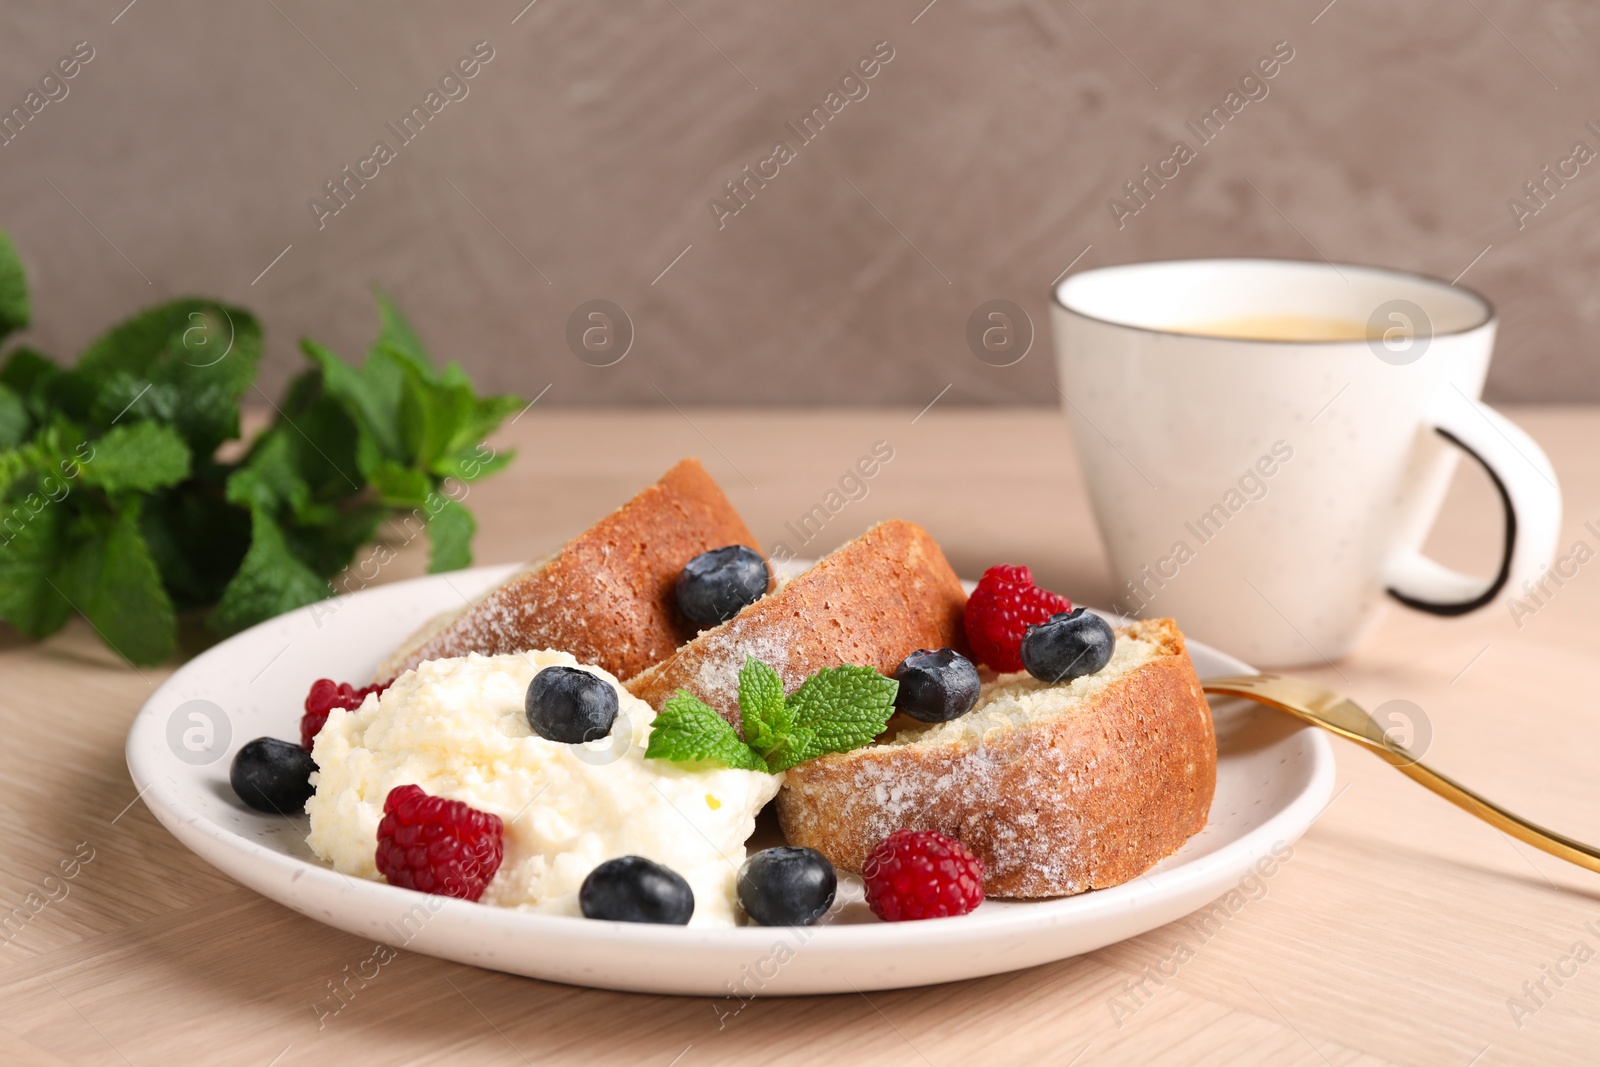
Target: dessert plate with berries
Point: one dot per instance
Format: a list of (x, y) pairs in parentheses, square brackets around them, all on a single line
[(412, 867)]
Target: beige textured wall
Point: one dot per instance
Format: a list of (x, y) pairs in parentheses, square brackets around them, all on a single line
[(581, 161)]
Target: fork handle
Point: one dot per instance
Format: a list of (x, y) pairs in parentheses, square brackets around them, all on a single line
[(1586, 856), (1312, 703)]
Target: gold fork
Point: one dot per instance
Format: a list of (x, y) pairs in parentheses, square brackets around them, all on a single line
[(1321, 706)]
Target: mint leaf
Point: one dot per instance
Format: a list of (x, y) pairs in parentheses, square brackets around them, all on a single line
[(432, 417), (14, 463), (371, 395), (33, 377), (15, 422), (31, 553), (400, 486), (270, 480), (58, 452), (123, 596), (197, 539), (762, 711), (688, 730), (450, 531), (328, 547), (322, 437), (271, 580), (14, 311), (304, 474), (137, 457), (186, 363), (836, 710), (487, 413), (473, 462), (395, 332)]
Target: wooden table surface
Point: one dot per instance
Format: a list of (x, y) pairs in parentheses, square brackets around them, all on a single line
[(1401, 931)]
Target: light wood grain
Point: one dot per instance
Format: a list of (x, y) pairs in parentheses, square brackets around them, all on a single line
[(1396, 933)]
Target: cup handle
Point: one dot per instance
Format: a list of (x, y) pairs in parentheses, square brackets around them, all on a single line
[(1529, 493)]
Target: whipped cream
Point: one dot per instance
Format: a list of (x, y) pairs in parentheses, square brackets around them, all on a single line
[(457, 728)]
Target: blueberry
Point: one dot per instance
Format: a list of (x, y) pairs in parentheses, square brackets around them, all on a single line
[(273, 776), (570, 705), (632, 889), (1070, 645), (714, 585), (936, 686), (787, 886)]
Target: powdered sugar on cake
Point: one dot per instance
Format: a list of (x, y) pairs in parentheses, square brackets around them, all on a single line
[(716, 680), (956, 770)]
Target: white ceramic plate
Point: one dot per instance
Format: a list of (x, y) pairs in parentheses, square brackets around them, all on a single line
[(1273, 779)]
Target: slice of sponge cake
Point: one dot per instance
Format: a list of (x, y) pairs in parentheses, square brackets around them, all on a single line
[(1057, 788), (607, 596), (870, 602)]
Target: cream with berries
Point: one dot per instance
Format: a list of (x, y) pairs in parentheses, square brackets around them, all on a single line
[(459, 729)]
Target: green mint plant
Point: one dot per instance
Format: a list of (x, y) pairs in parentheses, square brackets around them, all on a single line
[(114, 503)]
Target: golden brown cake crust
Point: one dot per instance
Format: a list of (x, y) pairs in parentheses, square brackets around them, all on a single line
[(607, 597), (871, 602), (1086, 800)]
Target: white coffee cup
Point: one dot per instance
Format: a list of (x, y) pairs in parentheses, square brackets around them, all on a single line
[(1272, 495)]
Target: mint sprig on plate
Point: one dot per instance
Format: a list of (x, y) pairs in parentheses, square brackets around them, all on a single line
[(835, 710)]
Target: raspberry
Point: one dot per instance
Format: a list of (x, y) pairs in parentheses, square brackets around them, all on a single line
[(921, 874), (435, 845), (325, 695), (1000, 610)]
